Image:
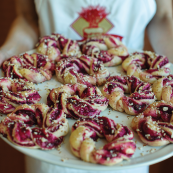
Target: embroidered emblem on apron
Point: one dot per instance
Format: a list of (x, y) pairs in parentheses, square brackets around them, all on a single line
[(92, 21)]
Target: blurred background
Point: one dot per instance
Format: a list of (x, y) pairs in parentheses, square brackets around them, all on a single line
[(12, 160)]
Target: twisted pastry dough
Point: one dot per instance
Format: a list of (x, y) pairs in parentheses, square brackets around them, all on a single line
[(15, 92), (154, 125), (86, 131), (78, 100), (57, 47), (141, 94), (157, 65), (51, 126), (83, 69), (35, 68), (163, 90), (106, 49)]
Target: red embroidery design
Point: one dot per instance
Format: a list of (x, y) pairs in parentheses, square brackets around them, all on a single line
[(92, 21)]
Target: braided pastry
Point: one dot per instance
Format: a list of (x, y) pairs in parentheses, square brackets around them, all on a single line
[(57, 47), (86, 131), (141, 94), (83, 69), (107, 49), (15, 92), (163, 90), (78, 100), (34, 68), (157, 66), (154, 125), (51, 123)]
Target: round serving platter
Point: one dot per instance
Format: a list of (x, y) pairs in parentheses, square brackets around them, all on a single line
[(144, 155)]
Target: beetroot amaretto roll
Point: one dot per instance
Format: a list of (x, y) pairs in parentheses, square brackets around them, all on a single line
[(156, 66), (86, 131), (141, 94), (78, 100), (82, 69), (57, 47), (35, 68), (50, 125), (15, 92), (154, 125), (106, 48), (163, 88)]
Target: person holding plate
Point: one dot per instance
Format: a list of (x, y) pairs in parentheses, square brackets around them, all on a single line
[(76, 19)]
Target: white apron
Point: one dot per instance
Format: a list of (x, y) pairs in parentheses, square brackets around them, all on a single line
[(76, 19)]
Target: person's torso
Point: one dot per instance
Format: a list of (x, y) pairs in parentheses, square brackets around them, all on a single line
[(76, 19)]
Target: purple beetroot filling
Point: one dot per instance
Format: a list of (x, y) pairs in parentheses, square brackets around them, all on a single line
[(151, 70), (164, 62), (27, 60), (80, 66), (55, 114), (52, 141), (54, 128), (112, 86), (83, 108), (54, 45), (118, 150), (119, 79), (29, 113), (10, 131), (62, 42), (35, 97), (16, 95), (124, 131), (134, 82), (39, 117), (88, 50), (123, 57), (41, 61), (113, 41), (95, 40), (87, 123), (87, 92), (104, 56), (50, 103), (139, 96), (145, 86), (65, 67), (106, 125), (94, 136), (73, 72), (138, 107), (156, 60), (18, 102), (59, 105), (98, 101), (88, 66), (88, 111), (23, 133), (9, 72), (146, 65), (15, 75), (145, 130), (72, 114), (70, 44), (166, 115)]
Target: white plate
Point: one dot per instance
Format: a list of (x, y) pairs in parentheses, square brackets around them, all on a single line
[(144, 155)]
